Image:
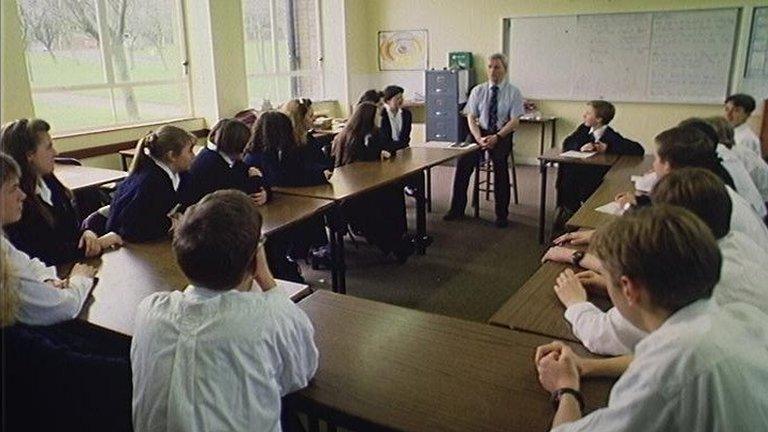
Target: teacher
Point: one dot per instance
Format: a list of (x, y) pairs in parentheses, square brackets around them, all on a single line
[(492, 111)]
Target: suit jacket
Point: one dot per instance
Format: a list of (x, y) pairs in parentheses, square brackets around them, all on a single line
[(404, 138), (210, 172), (617, 144), (294, 168), (55, 243), (139, 209)]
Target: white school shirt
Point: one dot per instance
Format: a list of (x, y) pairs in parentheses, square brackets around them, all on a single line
[(44, 192), (744, 136), (704, 369), (206, 360), (741, 179), (396, 122), (756, 167), (41, 303), (745, 220), (598, 133), (227, 159)]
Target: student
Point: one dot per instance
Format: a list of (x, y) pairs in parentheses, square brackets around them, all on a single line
[(756, 166), (744, 268), (49, 228), (379, 215), (301, 114), (698, 368), (738, 108), (146, 203), (576, 183), (371, 96), (41, 297), (220, 354), (395, 120), (741, 179), (220, 164)]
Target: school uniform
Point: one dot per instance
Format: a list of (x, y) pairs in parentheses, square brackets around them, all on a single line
[(316, 153), (139, 209), (290, 169), (40, 303), (756, 167), (742, 180), (702, 370), (395, 128), (577, 183), (212, 170), (746, 221), (742, 280), (218, 360), (744, 136), (53, 243)]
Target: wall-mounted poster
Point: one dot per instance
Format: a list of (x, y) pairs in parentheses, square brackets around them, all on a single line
[(403, 50)]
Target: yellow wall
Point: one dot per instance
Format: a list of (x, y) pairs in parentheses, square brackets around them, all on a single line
[(15, 98), (476, 26)]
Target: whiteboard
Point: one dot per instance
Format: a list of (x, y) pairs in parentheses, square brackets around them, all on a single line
[(679, 56)]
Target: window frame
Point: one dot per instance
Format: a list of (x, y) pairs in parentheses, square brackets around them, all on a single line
[(112, 85)]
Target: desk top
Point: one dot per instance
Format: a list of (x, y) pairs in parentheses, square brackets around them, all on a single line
[(603, 159), (387, 367), (615, 181), (283, 211), (535, 308), (77, 177), (360, 177), (131, 273)]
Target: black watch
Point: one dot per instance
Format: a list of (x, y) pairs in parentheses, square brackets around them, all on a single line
[(576, 257), (558, 394)]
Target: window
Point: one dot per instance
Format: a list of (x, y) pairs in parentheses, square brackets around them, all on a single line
[(97, 63), (283, 55)]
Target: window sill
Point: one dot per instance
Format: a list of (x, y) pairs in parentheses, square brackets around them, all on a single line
[(120, 127)]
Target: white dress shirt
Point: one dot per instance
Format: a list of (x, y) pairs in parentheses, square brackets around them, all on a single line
[(745, 220), (206, 360), (756, 167), (509, 103), (40, 302), (704, 369), (744, 136), (743, 277), (598, 133), (396, 122), (44, 192), (741, 179), (175, 177)]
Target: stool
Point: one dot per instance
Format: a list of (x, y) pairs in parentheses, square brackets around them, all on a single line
[(486, 166)]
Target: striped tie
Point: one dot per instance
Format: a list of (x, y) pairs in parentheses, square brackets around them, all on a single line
[(493, 108)]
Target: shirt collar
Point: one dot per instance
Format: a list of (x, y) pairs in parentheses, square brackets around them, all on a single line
[(213, 147), (42, 190), (499, 85), (681, 317), (598, 133), (203, 293), (175, 178)]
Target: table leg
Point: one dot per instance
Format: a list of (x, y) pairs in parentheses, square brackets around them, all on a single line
[(542, 199), (476, 188), (554, 133), (342, 270), (331, 222), (541, 139), (429, 189), (124, 162), (422, 240)]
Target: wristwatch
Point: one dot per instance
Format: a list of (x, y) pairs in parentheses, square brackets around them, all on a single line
[(558, 394), (576, 257)]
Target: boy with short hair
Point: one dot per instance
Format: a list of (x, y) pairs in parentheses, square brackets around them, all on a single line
[(738, 107), (698, 368), (220, 354), (576, 183)]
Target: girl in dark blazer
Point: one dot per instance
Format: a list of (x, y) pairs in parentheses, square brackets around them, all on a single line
[(301, 114), (220, 164), (147, 203), (49, 228), (394, 116), (379, 215)]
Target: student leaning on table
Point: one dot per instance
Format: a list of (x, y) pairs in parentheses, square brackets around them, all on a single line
[(220, 354), (702, 366)]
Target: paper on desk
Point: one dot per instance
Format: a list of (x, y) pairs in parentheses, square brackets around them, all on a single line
[(645, 183), (443, 144), (577, 154), (612, 208)]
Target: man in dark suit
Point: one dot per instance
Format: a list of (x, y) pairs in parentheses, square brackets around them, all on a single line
[(576, 183), (395, 130)]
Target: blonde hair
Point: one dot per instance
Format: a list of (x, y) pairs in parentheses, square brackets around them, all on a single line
[(296, 110), (158, 143), (9, 295)]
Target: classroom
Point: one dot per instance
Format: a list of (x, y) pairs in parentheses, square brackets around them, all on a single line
[(395, 215)]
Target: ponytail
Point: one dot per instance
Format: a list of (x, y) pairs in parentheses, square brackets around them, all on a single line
[(158, 143)]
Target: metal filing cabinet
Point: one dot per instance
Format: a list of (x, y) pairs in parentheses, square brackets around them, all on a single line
[(447, 92)]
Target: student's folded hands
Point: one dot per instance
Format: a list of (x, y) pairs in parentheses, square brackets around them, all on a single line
[(575, 238), (593, 281), (569, 289), (110, 240), (626, 199), (90, 244), (385, 155), (259, 198), (558, 254), (558, 366)]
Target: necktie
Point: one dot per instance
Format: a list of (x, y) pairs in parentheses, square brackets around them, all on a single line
[(493, 108), (592, 138)]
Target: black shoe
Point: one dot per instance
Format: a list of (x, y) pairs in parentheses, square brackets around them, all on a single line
[(403, 250), (502, 223), (451, 216)]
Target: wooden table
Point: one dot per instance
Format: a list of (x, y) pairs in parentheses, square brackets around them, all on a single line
[(77, 177), (444, 145), (536, 309), (384, 367), (131, 273), (551, 157), (615, 181), (543, 122)]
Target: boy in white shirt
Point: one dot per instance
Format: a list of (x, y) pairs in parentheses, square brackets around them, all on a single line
[(738, 107), (220, 354), (702, 366)]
